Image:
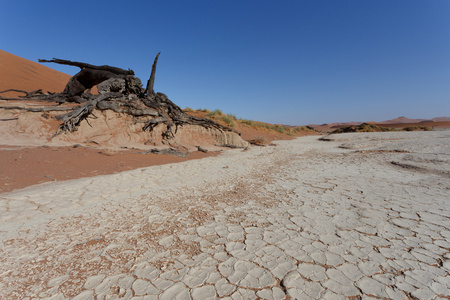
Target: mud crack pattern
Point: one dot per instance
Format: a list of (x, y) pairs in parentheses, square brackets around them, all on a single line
[(307, 219)]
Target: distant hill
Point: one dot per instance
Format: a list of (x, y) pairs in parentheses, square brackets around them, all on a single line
[(395, 123), (23, 74), (401, 120), (441, 119)]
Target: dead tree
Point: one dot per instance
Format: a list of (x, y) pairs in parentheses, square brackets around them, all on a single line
[(119, 91), (87, 78)]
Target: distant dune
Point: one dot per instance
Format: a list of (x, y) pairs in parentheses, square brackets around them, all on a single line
[(441, 119), (23, 74), (400, 122)]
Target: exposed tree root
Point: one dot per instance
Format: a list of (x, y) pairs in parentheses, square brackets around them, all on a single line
[(169, 151), (27, 94), (72, 120), (37, 109)]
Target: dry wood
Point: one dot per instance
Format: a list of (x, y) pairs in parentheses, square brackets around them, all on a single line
[(151, 80), (169, 151), (82, 65), (37, 109), (72, 119), (27, 94), (201, 149)]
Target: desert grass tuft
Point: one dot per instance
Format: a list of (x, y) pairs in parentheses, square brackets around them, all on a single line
[(218, 115), (214, 113), (232, 121), (260, 140), (417, 128), (284, 129), (365, 127)]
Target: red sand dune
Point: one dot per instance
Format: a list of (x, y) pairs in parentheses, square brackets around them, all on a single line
[(23, 74)]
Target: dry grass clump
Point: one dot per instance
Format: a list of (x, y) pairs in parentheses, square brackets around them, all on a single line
[(417, 128), (189, 109), (218, 115), (363, 128), (285, 129), (233, 122), (260, 140)]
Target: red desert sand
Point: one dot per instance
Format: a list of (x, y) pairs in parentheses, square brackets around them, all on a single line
[(21, 167)]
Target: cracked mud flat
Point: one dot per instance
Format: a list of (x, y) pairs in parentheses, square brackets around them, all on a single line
[(361, 215)]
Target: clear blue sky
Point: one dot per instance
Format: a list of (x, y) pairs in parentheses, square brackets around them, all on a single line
[(293, 62)]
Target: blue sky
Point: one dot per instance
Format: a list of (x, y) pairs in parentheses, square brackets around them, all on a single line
[(292, 62)]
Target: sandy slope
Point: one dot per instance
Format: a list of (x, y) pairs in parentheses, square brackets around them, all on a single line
[(359, 215), (22, 74)]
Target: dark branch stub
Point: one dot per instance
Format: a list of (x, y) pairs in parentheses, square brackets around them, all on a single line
[(119, 91), (151, 80)]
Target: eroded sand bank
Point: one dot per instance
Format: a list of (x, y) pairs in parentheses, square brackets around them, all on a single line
[(360, 214)]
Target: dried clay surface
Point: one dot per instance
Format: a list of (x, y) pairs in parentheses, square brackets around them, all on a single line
[(361, 215)]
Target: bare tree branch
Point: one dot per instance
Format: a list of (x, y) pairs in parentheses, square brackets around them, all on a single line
[(82, 65), (151, 80)]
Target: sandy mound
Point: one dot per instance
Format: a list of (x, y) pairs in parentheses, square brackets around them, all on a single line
[(108, 130), (105, 129)]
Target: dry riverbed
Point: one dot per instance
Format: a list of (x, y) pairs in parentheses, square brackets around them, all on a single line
[(361, 214)]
